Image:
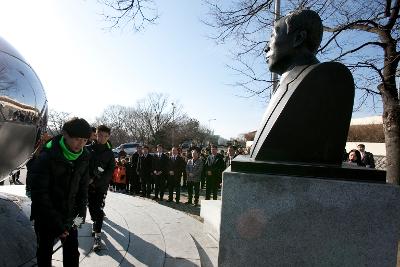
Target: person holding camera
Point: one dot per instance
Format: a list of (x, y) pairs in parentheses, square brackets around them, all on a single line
[(102, 164)]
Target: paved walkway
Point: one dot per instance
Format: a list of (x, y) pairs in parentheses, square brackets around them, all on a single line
[(140, 232)]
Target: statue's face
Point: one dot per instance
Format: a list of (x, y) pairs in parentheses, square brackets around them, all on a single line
[(280, 48)]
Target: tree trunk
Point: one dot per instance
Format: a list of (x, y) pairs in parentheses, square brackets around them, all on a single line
[(391, 129)]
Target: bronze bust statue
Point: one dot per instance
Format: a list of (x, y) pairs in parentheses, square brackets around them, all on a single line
[(308, 117)]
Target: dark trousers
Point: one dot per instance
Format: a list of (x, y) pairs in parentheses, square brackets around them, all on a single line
[(15, 177), (135, 184), (211, 187), (96, 204), (184, 184), (159, 186), (127, 183), (196, 186), (146, 185), (174, 183), (45, 243)]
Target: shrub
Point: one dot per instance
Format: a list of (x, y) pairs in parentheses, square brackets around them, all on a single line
[(366, 133)]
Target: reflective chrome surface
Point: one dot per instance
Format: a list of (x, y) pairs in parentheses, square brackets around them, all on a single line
[(23, 109)]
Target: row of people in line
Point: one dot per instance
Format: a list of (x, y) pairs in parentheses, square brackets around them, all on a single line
[(144, 172)]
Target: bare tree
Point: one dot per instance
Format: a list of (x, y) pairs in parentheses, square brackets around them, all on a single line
[(115, 118), (363, 34), (244, 23), (136, 13), (56, 121), (150, 121), (190, 129), (153, 120), (157, 114)]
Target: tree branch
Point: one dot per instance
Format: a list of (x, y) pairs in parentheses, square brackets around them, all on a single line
[(394, 15), (356, 25), (358, 48)]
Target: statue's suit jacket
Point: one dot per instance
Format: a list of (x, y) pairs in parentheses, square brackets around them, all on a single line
[(308, 117)]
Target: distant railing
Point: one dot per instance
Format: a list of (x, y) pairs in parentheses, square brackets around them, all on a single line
[(380, 162)]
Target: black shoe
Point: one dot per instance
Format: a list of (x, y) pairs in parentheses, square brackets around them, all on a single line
[(169, 200), (155, 198), (177, 202), (97, 244), (188, 202)]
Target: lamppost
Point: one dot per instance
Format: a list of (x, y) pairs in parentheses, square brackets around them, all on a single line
[(173, 125), (209, 124), (277, 16)]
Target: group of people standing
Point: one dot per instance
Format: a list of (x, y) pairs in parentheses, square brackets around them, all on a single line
[(360, 157), (162, 173), (73, 171)]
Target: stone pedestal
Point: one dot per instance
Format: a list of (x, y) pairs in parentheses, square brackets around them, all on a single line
[(210, 211), (284, 220)]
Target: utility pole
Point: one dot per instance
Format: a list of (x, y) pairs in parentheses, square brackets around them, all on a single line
[(277, 16), (173, 124), (209, 125)]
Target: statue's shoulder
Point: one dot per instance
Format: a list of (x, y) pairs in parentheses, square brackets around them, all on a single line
[(324, 72), (330, 66), (323, 68)]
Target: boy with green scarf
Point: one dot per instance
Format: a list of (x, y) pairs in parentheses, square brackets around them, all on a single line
[(59, 179)]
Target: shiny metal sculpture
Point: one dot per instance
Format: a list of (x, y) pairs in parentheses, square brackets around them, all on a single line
[(23, 109)]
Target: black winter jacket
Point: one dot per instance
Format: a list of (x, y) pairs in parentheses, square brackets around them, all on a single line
[(103, 157), (59, 187), (178, 166), (145, 167), (216, 167)]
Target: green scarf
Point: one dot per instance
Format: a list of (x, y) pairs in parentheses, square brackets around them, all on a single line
[(69, 155)]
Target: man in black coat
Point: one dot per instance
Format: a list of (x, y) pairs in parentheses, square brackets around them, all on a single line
[(230, 156), (160, 162), (176, 168), (145, 169), (213, 167), (102, 164), (59, 179), (367, 158), (134, 180)]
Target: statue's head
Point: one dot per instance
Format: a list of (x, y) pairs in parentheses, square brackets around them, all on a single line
[(294, 36)]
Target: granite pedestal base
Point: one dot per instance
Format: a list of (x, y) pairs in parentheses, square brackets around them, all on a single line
[(210, 211), (280, 220)]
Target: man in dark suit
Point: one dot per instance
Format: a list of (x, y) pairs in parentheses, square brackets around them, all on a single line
[(101, 168), (214, 167), (134, 180), (231, 155), (160, 162), (176, 168), (145, 169), (366, 157)]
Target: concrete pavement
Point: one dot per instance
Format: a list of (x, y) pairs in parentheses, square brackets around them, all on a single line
[(140, 232)]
